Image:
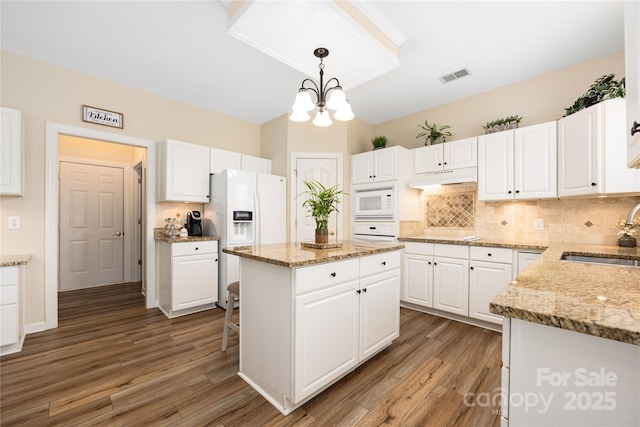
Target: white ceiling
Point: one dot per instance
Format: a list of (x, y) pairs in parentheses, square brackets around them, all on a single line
[(180, 49)]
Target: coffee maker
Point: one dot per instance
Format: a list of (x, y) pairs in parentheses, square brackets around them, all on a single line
[(194, 223)]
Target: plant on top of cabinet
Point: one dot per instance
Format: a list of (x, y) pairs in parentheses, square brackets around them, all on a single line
[(379, 142), (321, 202), (506, 123), (605, 87), (433, 134)]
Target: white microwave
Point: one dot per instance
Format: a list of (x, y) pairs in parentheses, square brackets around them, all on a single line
[(375, 203)]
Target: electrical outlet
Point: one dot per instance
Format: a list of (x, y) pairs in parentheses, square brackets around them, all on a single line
[(14, 223), (538, 224)]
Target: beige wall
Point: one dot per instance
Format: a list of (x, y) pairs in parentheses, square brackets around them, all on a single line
[(44, 92), (537, 100)]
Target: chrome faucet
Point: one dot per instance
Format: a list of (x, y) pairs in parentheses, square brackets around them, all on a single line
[(633, 213)]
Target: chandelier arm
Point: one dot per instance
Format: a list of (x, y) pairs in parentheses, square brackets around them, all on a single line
[(326, 87), (314, 89)]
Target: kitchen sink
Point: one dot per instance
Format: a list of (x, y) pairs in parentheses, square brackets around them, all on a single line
[(595, 259)]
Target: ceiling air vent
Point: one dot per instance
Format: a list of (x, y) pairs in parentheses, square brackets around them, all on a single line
[(454, 76)]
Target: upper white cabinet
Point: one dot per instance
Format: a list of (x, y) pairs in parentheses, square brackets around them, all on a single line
[(518, 164), (223, 159), (11, 158), (450, 155), (632, 79), (377, 165), (183, 172), (592, 156)]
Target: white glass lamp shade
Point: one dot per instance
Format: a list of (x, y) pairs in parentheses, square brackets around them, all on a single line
[(322, 119), (344, 114), (299, 116), (337, 100), (303, 102)]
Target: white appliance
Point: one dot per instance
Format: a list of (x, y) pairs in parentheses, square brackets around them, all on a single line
[(374, 203), (375, 232), (245, 208), (447, 176)]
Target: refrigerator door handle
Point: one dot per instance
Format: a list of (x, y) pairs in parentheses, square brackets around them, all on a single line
[(256, 221)]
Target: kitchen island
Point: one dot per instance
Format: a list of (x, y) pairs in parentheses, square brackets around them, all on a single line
[(310, 316), (571, 340)]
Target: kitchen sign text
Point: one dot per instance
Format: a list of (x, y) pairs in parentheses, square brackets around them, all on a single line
[(102, 117)]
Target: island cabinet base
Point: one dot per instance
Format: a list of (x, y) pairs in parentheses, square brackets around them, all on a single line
[(304, 328), (553, 376)]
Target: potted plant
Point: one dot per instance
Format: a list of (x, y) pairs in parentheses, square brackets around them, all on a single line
[(605, 87), (626, 233), (320, 203), (506, 123), (379, 142), (433, 133)]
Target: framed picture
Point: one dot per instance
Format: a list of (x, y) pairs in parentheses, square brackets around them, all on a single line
[(102, 117)]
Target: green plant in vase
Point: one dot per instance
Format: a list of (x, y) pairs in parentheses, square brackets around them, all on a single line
[(433, 134), (379, 142), (320, 203)]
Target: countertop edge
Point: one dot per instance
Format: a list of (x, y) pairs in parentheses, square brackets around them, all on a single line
[(14, 260), (185, 239), (479, 242)]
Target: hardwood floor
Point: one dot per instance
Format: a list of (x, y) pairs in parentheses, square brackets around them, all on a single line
[(113, 362)]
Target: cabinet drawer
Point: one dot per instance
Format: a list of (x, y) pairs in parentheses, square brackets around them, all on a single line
[(418, 248), (480, 253), (378, 263), (324, 275), (194, 248), (8, 295), (8, 276), (380, 229), (451, 251)]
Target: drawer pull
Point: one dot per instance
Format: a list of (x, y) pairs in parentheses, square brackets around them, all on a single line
[(593, 184), (333, 274), (372, 228), (358, 291), (384, 262), (489, 254), (216, 259), (197, 248), (364, 290)]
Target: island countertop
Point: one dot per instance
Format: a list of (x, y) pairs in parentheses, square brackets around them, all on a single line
[(595, 299), (512, 244), (294, 255)]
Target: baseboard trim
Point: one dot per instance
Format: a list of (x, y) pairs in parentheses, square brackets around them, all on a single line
[(31, 328)]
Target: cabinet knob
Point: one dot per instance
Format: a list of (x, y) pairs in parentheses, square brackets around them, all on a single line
[(471, 267), (429, 262), (593, 184), (216, 259), (435, 263), (374, 176), (517, 191), (635, 128), (384, 262), (509, 192), (333, 274), (439, 164), (358, 291), (364, 290), (370, 176), (197, 248), (489, 254), (445, 163)]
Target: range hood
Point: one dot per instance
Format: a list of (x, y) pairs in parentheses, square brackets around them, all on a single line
[(451, 176)]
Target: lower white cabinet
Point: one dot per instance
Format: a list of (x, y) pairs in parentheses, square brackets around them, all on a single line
[(525, 259), (490, 271), (379, 318), (451, 285), (11, 310), (418, 279), (188, 276)]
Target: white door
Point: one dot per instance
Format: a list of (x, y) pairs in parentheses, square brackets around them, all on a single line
[(495, 166), (385, 164), (462, 153), (486, 280), (325, 171), (91, 225), (361, 168), (428, 159), (535, 164), (418, 279), (379, 314), (451, 285)]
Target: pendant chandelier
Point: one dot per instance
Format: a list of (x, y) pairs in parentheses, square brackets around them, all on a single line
[(336, 102)]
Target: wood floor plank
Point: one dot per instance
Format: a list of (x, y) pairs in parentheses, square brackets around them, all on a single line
[(113, 362)]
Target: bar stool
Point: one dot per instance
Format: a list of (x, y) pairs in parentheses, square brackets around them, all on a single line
[(233, 295)]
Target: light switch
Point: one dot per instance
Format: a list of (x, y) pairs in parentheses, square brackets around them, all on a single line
[(538, 224), (14, 223)]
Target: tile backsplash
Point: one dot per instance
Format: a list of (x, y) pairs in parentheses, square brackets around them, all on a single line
[(446, 212)]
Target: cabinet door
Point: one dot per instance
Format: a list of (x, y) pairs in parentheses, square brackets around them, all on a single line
[(525, 259), (361, 168), (385, 164), (256, 164), (379, 312), (486, 280), (460, 154), (535, 164), (185, 172), (222, 159), (451, 285), (632, 81), (495, 166), (428, 159), (194, 281), (418, 279), (11, 160), (579, 145), (326, 337), (8, 324)]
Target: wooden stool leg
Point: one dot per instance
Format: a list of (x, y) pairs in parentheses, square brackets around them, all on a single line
[(227, 321)]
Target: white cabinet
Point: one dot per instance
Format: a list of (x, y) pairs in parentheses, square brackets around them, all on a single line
[(223, 159), (450, 155), (375, 166), (592, 152), (188, 276), (451, 278), (490, 271), (525, 259), (418, 274), (632, 79), (11, 153), (183, 172), (11, 309), (518, 164)]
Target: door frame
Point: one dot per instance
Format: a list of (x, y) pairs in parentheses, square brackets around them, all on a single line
[(127, 220), (51, 209), (293, 179)]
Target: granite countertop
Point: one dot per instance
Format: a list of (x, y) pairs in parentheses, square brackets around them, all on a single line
[(158, 234), (595, 299), (479, 242), (293, 255), (11, 260)]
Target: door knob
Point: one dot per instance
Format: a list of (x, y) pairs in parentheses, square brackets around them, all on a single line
[(118, 234)]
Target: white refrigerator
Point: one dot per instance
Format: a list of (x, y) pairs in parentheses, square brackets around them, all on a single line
[(245, 208)]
